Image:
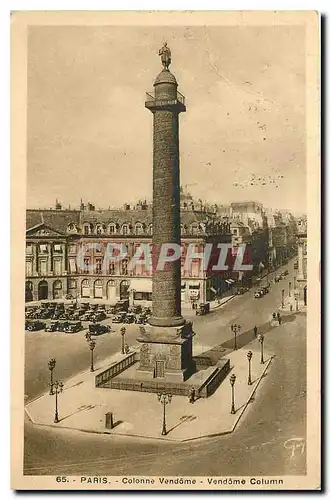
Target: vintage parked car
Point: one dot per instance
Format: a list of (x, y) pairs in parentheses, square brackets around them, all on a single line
[(259, 293), (51, 327), (278, 277), (61, 325), (285, 273), (135, 309), (97, 329), (119, 318), (30, 312), (129, 318), (73, 327), (88, 316), (99, 316), (33, 326), (241, 290), (203, 309)]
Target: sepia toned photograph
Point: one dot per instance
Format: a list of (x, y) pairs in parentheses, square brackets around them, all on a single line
[(165, 250)]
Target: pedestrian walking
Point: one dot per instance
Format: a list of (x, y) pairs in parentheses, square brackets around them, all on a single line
[(191, 395), (255, 331), (279, 318)]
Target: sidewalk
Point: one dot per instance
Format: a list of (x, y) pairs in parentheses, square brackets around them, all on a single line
[(291, 306), (83, 407)]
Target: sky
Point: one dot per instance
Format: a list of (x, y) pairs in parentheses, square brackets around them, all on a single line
[(241, 138)]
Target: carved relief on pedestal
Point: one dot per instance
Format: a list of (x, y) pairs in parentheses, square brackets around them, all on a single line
[(145, 351), (174, 361)]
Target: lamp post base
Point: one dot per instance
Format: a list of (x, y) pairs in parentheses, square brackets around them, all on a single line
[(233, 411)]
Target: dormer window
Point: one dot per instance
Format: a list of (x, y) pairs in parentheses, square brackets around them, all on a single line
[(72, 228), (112, 228), (99, 229), (125, 229), (86, 228), (150, 229), (194, 229), (139, 229)]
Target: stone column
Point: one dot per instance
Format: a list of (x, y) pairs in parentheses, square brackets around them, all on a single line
[(166, 200)]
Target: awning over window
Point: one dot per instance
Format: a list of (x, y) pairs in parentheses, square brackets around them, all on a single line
[(141, 285)]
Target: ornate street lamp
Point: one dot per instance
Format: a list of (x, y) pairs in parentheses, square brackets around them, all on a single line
[(235, 329), (260, 338), (232, 382), (92, 345), (249, 357), (164, 399), (51, 366), (123, 331), (58, 386)]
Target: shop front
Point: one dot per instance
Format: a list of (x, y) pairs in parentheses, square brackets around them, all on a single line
[(140, 292)]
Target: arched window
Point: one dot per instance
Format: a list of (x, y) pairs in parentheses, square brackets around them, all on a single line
[(112, 228), (85, 288), (98, 292), (28, 291), (125, 229), (139, 228)]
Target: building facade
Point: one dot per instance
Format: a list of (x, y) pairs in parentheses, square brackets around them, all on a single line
[(67, 254)]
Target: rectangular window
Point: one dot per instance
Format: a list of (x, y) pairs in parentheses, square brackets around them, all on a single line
[(57, 248), (98, 266), (28, 268), (72, 248), (142, 296), (28, 249), (86, 265), (111, 267), (43, 267), (43, 248), (72, 266), (57, 267)]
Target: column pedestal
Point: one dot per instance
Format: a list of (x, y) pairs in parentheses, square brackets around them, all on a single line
[(166, 353)]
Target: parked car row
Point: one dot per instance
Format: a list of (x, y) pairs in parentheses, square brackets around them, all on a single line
[(124, 317), (261, 292), (53, 326), (72, 312), (280, 276), (97, 329)]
